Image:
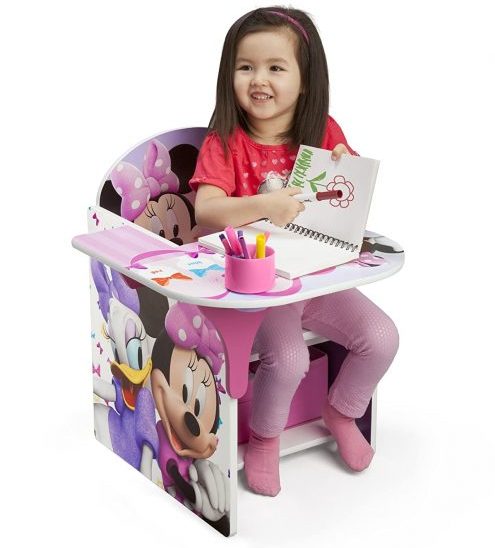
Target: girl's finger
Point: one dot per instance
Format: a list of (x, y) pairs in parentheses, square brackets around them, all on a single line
[(291, 191), (338, 151)]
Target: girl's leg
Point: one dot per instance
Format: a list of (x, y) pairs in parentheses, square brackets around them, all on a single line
[(349, 318), (284, 360)]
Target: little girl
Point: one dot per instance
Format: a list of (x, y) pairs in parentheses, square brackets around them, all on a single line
[(272, 95)]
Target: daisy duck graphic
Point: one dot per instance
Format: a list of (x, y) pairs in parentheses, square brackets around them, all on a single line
[(156, 195), (187, 358), (127, 427)]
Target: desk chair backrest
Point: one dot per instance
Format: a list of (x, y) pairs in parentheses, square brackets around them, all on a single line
[(149, 185)]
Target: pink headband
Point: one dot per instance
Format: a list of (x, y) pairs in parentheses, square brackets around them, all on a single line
[(294, 22)]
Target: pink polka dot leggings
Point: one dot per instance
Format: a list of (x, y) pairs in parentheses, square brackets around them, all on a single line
[(348, 318)]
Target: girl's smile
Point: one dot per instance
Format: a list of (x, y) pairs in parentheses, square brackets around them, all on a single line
[(262, 97)]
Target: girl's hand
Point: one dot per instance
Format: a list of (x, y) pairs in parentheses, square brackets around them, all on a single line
[(338, 151), (280, 207)]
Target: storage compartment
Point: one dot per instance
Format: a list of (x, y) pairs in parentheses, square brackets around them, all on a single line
[(308, 399)]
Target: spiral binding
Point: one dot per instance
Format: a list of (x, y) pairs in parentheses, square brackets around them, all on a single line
[(319, 236)]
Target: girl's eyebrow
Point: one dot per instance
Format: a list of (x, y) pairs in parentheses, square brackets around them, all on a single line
[(271, 60)]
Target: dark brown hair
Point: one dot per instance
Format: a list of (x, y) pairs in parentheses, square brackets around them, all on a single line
[(310, 116)]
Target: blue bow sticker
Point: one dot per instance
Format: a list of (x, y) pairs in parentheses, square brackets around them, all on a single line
[(202, 271)]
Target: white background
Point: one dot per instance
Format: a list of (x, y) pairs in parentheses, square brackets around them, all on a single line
[(411, 84)]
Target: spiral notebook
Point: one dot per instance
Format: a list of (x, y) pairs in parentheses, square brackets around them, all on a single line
[(327, 233)]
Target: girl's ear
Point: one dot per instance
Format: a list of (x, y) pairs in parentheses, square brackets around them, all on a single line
[(109, 199)]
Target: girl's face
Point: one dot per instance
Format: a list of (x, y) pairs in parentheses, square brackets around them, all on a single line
[(267, 79)]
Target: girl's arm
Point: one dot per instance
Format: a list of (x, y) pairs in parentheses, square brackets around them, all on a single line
[(214, 209)]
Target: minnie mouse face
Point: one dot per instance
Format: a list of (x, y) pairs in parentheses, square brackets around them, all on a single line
[(187, 403), (171, 217), (156, 195)]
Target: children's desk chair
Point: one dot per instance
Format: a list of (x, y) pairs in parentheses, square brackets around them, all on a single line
[(171, 347)]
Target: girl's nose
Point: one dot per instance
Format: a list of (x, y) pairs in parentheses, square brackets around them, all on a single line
[(259, 79)]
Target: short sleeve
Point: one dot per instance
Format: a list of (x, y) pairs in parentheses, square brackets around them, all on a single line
[(213, 167), (334, 136)]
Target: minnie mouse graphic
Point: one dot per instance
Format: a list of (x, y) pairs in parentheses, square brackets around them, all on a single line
[(157, 197), (187, 358)]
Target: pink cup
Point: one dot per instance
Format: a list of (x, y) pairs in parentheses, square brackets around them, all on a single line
[(250, 275)]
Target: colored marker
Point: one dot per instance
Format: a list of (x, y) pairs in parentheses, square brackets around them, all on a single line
[(233, 241), (225, 243), (260, 246), (318, 196), (245, 251), (239, 234)]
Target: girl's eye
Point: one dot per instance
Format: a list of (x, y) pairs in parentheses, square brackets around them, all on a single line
[(187, 387), (276, 68), (244, 67), (135, 353)]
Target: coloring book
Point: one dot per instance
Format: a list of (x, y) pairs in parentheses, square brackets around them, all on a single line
[(328, 232)]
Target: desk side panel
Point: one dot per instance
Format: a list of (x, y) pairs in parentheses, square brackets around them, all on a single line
[(159, 403)]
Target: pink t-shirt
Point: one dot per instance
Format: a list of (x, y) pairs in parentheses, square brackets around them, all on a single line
[(248, 162)]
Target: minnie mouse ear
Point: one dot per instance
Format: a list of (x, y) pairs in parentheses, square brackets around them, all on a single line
[(153, 309), (109, 199), (183, 159), (162, 353)]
